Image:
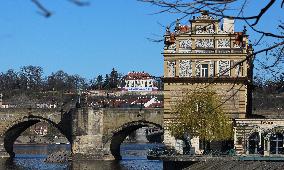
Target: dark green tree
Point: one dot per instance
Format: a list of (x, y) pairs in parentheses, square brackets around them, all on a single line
[(113, 79), (99, 82), (106, 85)]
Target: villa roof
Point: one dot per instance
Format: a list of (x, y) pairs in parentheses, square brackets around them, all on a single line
[(138, 76)]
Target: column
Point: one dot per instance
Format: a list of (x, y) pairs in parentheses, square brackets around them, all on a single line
[(245, 73), (233, 70), (265, 148), (193, 66), (235, 135), (268, 147), (247, 147), (177, 68), (165, 69), (216, 66)]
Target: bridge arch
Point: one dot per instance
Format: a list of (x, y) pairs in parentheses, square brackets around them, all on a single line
[(19, 126), (123, 131)]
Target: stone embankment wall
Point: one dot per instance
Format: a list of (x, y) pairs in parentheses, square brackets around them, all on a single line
[(235, 165)]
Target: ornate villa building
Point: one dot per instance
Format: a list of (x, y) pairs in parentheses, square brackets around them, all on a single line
[(140, 81), (208, 53)]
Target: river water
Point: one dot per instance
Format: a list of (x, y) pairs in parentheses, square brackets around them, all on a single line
[(30, 157)]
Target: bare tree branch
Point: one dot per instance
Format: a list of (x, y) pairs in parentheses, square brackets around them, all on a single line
[(182, 7), (80, 3), (269, 34), (44, 11), (278, 56), (263, 10)]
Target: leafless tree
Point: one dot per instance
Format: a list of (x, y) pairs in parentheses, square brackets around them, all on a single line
[(269, 41), (47, 13)]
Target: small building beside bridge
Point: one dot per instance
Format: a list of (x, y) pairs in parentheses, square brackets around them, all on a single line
[(259, 136)]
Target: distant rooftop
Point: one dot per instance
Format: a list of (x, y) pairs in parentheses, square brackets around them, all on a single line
[(138, 76)]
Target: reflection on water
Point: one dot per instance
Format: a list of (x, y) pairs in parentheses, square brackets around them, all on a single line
[(31, 158)]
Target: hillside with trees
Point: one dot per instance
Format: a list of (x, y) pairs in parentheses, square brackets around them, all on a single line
[(30, 85), (268, 97)]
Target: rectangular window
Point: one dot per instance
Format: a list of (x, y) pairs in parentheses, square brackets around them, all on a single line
[(204, 70)]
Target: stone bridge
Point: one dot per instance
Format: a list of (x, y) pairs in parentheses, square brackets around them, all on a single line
[(15, 121), (99, 133), (93, 133)]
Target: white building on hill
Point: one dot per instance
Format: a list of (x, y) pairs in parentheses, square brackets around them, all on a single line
[(139, 81)]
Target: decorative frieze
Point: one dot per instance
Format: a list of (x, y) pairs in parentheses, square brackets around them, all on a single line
[(197, 68), (185, 51), (185, 68), (223, 51), (185, 44), (221, 32), (205, 29), (211, 69), (204, 43), (236, 45), (223, 43), (205, 17), (204, 51), (224, 67), (172, 46)]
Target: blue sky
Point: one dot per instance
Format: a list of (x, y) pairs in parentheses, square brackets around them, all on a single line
[(84, 40)]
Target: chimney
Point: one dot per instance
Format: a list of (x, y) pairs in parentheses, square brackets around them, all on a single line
[(228, 25)]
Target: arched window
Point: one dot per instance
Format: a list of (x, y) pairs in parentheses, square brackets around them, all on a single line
[(254, 143), (276, 143)]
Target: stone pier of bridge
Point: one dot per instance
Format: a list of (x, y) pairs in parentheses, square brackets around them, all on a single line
[(98, 133)]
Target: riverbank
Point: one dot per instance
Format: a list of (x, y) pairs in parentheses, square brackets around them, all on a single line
[(235, 165), (40, 140), (187, 162)]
